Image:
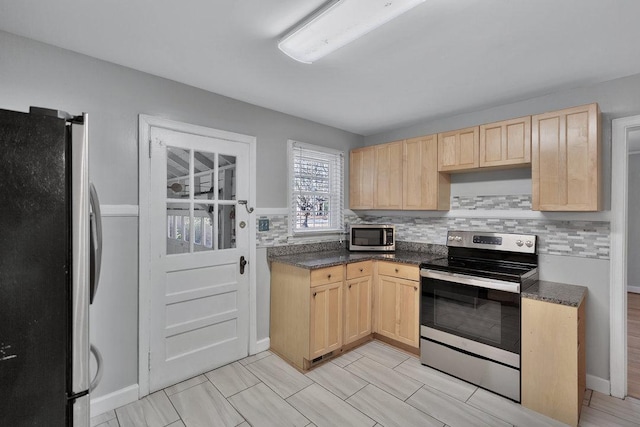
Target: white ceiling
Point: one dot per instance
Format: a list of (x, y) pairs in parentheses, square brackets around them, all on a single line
[(442, 58)]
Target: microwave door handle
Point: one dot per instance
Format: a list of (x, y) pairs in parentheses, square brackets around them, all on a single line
[(96, 240), (463, 279)]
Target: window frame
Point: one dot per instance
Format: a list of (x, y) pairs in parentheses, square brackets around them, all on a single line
[(336, 189)]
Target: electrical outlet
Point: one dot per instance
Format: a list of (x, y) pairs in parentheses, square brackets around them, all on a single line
[(263, 224)]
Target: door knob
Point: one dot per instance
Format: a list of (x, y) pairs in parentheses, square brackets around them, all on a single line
[(243, 262)]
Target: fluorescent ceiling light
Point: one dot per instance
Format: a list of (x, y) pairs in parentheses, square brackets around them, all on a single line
[(338, 23)]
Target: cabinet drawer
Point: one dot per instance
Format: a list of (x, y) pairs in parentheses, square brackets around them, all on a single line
[(359, 269), (323, 276), (403, 271)]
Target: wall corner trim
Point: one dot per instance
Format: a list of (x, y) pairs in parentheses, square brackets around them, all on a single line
[(263, 345), (598, 384), (114, 400)]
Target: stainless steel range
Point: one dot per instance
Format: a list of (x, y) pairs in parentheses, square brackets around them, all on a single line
[(470, 308)]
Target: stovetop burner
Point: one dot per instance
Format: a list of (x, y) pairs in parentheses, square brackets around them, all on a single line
[(506, 271), (499, 256)]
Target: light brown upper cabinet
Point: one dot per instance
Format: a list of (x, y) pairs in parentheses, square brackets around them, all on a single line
[(565, 160), (424, 188), (362, 163), (458, 149), (506, 143), (388, 176)]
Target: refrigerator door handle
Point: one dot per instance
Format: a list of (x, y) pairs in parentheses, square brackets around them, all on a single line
[(96, 380), (80, 245), (96, 241)]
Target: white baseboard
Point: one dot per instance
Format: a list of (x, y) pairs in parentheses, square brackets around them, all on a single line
[(634, 289), (114, 400), (263, 344), (598, 384)]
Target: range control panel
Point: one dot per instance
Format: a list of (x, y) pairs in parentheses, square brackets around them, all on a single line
[(524, 243), (487, 240)]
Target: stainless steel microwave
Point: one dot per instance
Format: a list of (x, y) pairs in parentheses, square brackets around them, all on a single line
[(372, 237)]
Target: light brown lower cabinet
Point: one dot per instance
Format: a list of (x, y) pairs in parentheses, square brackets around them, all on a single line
[(326, 319), (357, 301), (553, 359), (317, 312), (306, 312), (397, 303)]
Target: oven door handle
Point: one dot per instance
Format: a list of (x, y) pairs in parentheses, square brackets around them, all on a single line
[(463, 279)]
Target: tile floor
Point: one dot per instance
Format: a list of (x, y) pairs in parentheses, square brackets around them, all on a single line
[(373, 385)]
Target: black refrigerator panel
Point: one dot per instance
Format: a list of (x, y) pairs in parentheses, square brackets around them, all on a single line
[(34, 270)]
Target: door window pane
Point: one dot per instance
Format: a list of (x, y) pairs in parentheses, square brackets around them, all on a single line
[(177, 228), (177, 173), (226, 177), (226, 226), (203, 175), (203, 227)]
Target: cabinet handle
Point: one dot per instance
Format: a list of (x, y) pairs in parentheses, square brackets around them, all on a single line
[(361, 270), (314, 294), (397, 270), (415, 288), (349, 286), (329, 276)]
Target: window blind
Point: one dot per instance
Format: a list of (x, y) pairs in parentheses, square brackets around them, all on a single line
[(316, 182)]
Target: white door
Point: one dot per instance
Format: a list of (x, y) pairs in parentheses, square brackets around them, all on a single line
[(199, 298)]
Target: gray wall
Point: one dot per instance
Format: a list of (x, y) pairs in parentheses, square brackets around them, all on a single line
[(617, 98), (33, 73)]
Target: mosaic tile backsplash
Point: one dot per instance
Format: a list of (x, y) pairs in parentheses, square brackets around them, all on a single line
[(586, 239), (521, 202)]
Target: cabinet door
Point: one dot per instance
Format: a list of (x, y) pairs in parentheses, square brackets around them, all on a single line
[(361, 178), (398, 315), (551, 363), (458, 150), (325, 328), (424, 188), (386, 299), (565, 160), (388, 178), (408, 313), (506, 143), (357, 301)]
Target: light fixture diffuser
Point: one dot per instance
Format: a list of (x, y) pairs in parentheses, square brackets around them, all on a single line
[(338, 23)]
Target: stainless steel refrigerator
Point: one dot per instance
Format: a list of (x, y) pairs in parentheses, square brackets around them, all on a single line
[(50, 250)]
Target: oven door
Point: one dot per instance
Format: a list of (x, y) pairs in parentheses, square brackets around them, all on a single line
[(475, 319)]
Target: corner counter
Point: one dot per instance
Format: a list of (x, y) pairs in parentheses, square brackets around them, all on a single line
[(323, 259), (556, 293)]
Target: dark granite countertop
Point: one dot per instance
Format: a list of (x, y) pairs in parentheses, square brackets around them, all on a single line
[(557, 293), (321, 255), (322, 259)]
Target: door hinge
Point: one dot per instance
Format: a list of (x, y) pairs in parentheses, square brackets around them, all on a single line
[(150, 148), (149, 361)]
